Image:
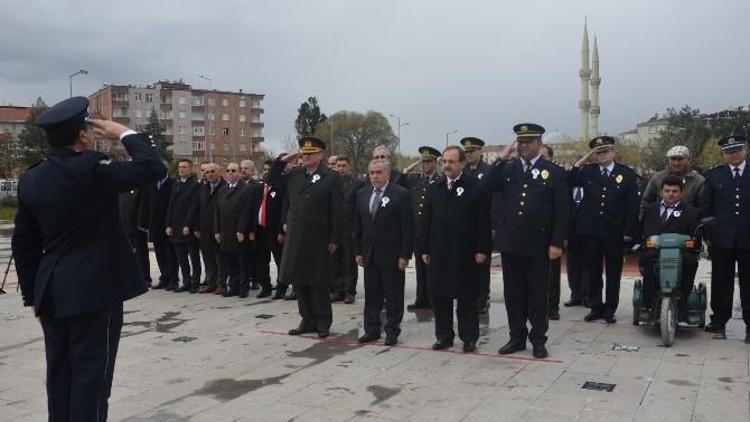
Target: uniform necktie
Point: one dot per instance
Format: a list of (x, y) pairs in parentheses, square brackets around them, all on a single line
[(736, 173), (527, 166), (375, 202), (605, 172)]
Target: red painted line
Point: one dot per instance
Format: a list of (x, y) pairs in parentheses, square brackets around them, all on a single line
[(351, 342)]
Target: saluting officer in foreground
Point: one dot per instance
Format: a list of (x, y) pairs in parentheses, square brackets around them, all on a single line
[(726, 195), (531, 232), (313, 220), (74, 262)]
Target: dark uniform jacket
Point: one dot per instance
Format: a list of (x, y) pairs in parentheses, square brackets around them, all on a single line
[(478, 172), (388, 236), (314, 217), (206, 210), (456, 227), (68, 243), (131, 205), (183, 208), (156, 203), (729, 202), (418, 183), (610, 207), (533, 210), (274, 207), (230, 204)]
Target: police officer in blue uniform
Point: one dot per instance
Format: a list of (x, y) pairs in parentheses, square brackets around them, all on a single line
[(530, 232), (608, 219), (477, 167), (74, 261), (726, 195)]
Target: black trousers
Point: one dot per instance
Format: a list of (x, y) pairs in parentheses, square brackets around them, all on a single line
[(650, 270), (166, 259), (610, 252), (248, 267), (211, 252), (555, 267), (236, 271), (483, 292), (423, 298), (189, 259), (466, 313), (722, 284), (526, 283), (314, 306), (139, 240), (344, 266), (384, 284), (81, 352), (262, 256), (576, 268)]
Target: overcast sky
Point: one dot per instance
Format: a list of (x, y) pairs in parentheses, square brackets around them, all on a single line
[(475, 66)]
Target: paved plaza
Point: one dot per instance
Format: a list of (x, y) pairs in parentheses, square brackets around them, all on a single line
[(197, 357)]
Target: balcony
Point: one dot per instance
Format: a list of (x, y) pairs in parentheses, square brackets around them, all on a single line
[(257, 124)]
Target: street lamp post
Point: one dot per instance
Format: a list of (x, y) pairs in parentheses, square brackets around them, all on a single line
[(448, 134), (398, 130), (70, 80), (208, 124)]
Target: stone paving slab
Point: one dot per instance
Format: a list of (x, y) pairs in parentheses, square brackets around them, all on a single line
[(206, 358)]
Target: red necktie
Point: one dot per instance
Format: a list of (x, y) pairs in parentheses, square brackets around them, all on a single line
[(262, 211)]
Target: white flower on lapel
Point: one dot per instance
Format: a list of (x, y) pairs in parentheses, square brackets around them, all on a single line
[(315, 178), (385, 200), (676, 213), (459, 191), (273, 194), (479, 176), (534, 173)]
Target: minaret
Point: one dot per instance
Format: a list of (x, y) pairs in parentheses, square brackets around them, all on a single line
[(585, 73), (595, 82)]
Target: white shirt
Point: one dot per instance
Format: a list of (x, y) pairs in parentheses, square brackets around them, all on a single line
[(669, 209), (450, 181), (532, 161), (741, 167), (609, 168)]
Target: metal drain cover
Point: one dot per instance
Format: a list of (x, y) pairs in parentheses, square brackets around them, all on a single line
[(598, 386)]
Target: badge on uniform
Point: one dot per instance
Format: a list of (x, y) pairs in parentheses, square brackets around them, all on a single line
[(545, 174), (479, 176), (676, 213), (315, 178), (273, 194), (618, 178), (534, 173), (459, 191), (385, 200)]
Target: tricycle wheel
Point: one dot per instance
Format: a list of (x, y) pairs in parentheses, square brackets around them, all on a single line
[(667, 321)]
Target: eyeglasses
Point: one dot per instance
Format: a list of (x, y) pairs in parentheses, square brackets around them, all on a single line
[(380, 157), (231, 171)]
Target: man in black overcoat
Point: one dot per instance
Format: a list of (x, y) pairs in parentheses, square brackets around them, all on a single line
[(180, 225)]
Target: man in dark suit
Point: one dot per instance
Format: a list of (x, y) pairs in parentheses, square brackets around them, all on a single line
[(131, 205), (555, 265), (180, 225), (383, 242), (156, 201), (726, 195), (418, 183), (455, 241), (477, 167), (345, 271), (313, 220), (269, 236), (670, 215), (210, 249), (231, 233), (608, 220), (74, 262), (530, 233)]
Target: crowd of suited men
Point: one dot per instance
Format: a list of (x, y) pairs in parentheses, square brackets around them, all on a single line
[(228, 223)]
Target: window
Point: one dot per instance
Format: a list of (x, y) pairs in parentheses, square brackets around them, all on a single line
[(181, 130), (198, 145), (197, 101), (212, 131), (225, 131), (243, 147), (225, 117), (138, 97), (224, 102), (255, 133), (120, 96), (242, 131), (211, 116), (242, 117), (138, 113), (211, 102), (243, 102), (149, 98), (181, 100), (212, 146), (182, 115), (199, 130), (225, 147)]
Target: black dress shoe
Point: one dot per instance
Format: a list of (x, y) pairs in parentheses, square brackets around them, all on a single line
[(171, 287), (194, 289), (368, 338), (712, 328), (593, 316), (539, 351), (554, 315), (391, 340), (483, 308), (160, 285), (300, 330), (264, 293), (323, 333), (512, 347), (278, 295), (254, 286), (291, 296), (442, 345), (573, 302), (610, 319), (184, 288), (470, 347), (230, 293), (243, 294), (418, 305)]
